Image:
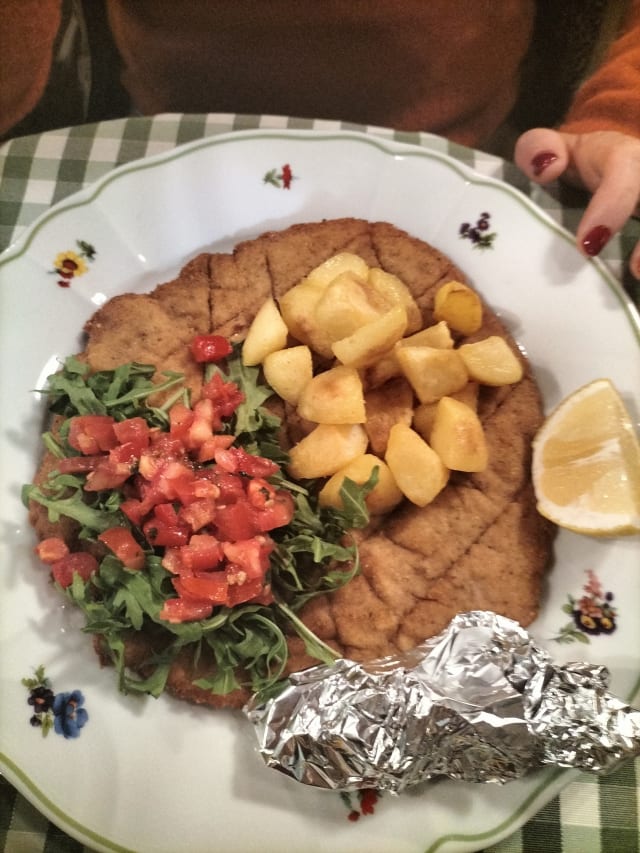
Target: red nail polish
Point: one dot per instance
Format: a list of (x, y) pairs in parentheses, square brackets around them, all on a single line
[(596, 240), (542, 161)]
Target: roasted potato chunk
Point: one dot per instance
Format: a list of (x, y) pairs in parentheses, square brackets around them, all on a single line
[(334, 396), (381, 499), (459, 306), (491, 361), (416, 467)]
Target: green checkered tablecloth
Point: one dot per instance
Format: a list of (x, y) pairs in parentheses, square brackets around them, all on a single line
[(591, 814)]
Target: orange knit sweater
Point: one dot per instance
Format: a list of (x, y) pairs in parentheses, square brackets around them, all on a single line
[(401, 63)]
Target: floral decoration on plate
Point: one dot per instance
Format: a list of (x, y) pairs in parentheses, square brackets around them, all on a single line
[(71, 264), (592, 613), (281, 178), (479, 234), (365, 802), (62, 712)]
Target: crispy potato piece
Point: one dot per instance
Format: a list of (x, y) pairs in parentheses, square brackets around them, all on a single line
[(491, 361), (334, 396), (288, 370), (390, 291), (432, 372), (369, 342), (344, 307), (388, 366), (326, 449), (298, 307), (416, 467), (424, 414), (343, 262), (457, 436), (381, 499), (459, 306), (267, 333)]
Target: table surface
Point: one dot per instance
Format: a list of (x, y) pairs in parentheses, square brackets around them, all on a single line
[(592, 813)]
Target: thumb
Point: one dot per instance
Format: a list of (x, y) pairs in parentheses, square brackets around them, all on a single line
[(542, 154)]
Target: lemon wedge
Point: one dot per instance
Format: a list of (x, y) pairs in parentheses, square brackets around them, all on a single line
[(586, 464)]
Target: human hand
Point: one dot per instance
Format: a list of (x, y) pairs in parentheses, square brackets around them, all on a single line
[(606, 163)]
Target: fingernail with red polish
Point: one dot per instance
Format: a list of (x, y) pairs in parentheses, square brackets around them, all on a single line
[(542, 161), (596, 240)]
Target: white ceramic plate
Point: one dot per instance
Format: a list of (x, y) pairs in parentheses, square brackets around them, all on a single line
[(158, 775)]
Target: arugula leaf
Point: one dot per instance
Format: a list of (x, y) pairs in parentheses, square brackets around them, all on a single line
[(94, 519), (121, 393)]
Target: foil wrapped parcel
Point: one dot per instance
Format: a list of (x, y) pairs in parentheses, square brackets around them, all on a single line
[(479, 702)]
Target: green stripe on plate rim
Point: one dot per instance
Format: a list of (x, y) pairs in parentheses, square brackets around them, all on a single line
[(87, 195)]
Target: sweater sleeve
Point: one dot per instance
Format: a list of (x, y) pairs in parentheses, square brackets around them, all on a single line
[(610, 98), (27, 36)]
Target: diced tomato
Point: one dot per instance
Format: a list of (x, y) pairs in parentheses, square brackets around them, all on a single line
[(91, 434), (171, 477), (78, 562), (121, 541), (211, 587), (250, 590), (208, 348), (79, 464), (199, 513), (134, 510), (203, 553), (172, 561), (237, 460), (251, 556), (196, 488), (107, 475), (226, 396), (185, 610), (235, 521), (276, 513), (159, 533), (230, 485), (133, 431), (210, 446), (128, 453), (52, 549)]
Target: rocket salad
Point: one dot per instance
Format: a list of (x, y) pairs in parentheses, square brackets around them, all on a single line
[(186, 524)]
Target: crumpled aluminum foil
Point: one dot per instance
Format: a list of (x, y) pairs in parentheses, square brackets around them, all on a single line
[(479, 702)]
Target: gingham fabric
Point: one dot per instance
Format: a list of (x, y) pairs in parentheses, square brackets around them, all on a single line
[(591, 815)]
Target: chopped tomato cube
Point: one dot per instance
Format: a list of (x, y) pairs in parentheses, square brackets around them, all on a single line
[(237, 460), (276, 512), (208, 348), (251, 556), (236, 521), (203, 553), (230, 485), (107, 475), (226, 396), (199, 513), (134, 509), (159, 533), (133, 431), (91, 434), (78, 562), (121, 541), (185, 610), (211, 587), (251, 589), (52, 549), (209, 447)]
